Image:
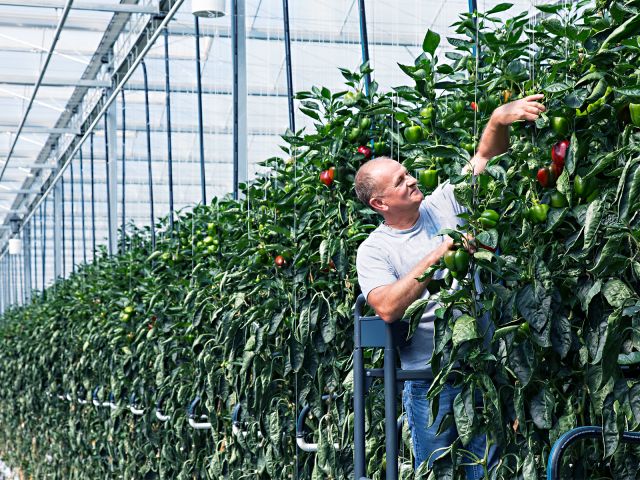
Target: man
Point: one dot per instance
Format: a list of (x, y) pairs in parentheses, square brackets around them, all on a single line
[(404, 246)]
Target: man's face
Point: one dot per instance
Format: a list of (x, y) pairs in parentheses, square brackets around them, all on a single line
[(398, 191)]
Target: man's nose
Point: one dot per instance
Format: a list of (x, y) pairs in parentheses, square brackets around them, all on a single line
[(411, 180)]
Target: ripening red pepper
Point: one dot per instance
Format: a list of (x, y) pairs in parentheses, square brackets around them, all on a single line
[(556, 169), (474, 106), (366, 151), (545, 177), (559, 152), (326, 176)]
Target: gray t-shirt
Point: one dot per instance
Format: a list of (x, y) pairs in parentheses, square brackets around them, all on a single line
[(389, 254)]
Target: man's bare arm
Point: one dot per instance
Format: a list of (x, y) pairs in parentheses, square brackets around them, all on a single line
[(495, 138), (391, 301)]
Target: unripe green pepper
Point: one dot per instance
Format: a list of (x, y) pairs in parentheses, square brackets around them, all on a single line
[(429, 178), (634, 110), (489, 218), (538, 213)]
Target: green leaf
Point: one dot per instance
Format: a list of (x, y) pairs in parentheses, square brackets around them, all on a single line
[(633, 92), (501, 7), (430, 42), (592, 222), (534, 304), (631, 358), (542, 407), (463, 411), (558, 87), (561, 334), (464, 329), (521, 362), (576, 98), (571, 159), (617, 292), (611, 425)]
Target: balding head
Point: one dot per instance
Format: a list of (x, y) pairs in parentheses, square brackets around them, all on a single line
[(367, 184)]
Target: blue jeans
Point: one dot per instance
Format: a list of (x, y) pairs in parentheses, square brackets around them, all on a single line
[(424, 439)]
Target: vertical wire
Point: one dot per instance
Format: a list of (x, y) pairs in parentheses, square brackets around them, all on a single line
[(149, 168), (124, 157), (203, 189), (167, 97), (93, 195), (64, 237), (43, 241), (12, 259), (107, 161), (84, 235), (73, 221), (20, 273), (34, 229)]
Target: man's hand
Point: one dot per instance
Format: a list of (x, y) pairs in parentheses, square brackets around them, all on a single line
[(495, 138), (528, 108)]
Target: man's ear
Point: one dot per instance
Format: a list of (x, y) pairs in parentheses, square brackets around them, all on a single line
[(378, 204)]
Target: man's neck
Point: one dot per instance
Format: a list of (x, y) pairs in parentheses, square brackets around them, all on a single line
[(403, 222)]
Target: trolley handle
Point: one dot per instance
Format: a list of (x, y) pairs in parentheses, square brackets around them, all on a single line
[(300, 428), (236, 424), (192, 416), (159, 415), (138, 412), (94, 397)]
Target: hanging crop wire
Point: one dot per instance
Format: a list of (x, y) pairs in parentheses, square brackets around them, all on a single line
[(84, 234), (149, 168), (34, 260), (43, 239), (93, 197), (106, 166), (124, 169), (167, 87), (73, 224), (64, 237)]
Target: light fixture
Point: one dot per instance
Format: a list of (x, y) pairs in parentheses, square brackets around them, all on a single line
[(15, 244), (14, 222), (208, 8)]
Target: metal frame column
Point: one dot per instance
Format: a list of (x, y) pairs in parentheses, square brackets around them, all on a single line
[(364, 41), (57, 231), (288, 62), (239, 52), (26, 259), (111, 123), (203, 181)]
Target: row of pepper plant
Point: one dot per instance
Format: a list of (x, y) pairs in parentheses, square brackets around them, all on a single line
[(247, 304)]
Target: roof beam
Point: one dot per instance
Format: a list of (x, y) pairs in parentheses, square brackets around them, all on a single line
[(19, 191), (24, 80), (91, 6), (21, 80), (40, 129)]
